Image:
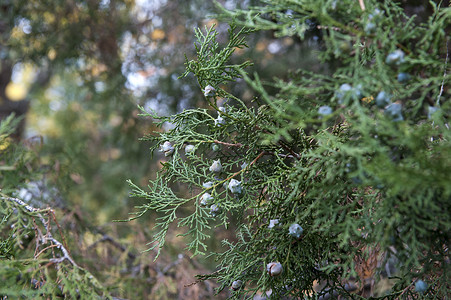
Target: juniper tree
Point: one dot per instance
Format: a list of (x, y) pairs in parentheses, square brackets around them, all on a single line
[(339, 178)]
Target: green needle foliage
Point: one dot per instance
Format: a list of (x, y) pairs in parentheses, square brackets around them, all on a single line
[(360, 158), (34, 264), (50, 272)]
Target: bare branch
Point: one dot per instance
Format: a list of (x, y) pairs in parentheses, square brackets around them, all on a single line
[(362, 5), (47, 238), (228, 144), (112, 241), (444, 75)]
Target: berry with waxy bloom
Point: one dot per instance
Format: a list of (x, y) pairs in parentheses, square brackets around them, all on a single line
[(273, 223), (373, 19), (209, 91), (295, 230), (205, 199), (345, 87), (189, 149), (215, 147), (219, 121), (394, 112), (370, 27), (395, 58), (421, 286), (235, 186), (214, 210), (343, 90), (382, 99), (167, 148), (274, 268), (236, 285), (216, 166), (376, 13), (208, 184), (403, 77), (346, 90), (325, 110)]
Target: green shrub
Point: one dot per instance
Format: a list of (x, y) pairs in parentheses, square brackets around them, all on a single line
[(358, 158)]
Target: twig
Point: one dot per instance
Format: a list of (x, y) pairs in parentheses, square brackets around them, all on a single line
[(362, 5), (239, 172), (282, 155), (109, 239), (349, 287), (405, 289), (329, 27), (228, 144), (298, 157), (48, 236), (444, 75), (201, 279), (257, 158), (64, 250), (21, 203), (46, 248), (59, 229), (38, 235), (193, 283), (173, 264)]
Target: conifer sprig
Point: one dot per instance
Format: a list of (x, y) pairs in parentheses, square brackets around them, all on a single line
[(347, 171)]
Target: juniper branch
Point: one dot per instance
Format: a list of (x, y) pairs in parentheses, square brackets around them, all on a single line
[(47, 237)]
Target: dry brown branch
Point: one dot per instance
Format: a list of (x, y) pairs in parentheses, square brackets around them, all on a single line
[(43, 250), (52, 212)]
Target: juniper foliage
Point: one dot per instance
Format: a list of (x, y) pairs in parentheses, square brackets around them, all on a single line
[(35, 262), (360, 158)]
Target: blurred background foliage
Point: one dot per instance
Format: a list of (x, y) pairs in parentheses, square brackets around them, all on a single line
[(74, 73)]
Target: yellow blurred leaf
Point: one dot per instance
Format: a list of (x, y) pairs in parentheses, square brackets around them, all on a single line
[(51, 54), (261, 46), (98, 69), (367, 99), (158, 34), (17, 33), (16, 91), (110, 154), (77, 178), (48, 17), (210, 22), (287, 41)]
